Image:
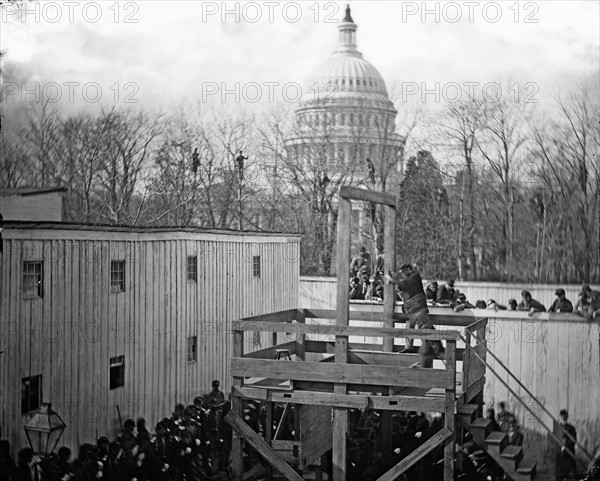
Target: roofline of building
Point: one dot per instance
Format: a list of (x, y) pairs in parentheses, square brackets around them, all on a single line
[(15, 191), (65, 226)]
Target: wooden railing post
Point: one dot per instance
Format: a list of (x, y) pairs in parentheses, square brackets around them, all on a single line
[(466, 362), (340, 415), (450, 412), (237, 463)]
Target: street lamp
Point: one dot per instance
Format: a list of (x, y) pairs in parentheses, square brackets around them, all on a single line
[(44, 430)]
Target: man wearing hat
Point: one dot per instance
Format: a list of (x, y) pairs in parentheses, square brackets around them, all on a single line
[(216, 398), (562, 304), (529, 304), (415, 305), (461, 303)]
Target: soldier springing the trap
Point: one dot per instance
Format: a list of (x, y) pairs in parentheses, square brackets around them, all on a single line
[(415, 305)]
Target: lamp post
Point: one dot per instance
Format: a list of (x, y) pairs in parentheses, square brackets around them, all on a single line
[(44, 430)]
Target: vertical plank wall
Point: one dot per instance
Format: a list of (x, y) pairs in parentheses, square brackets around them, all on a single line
[(71, 333)]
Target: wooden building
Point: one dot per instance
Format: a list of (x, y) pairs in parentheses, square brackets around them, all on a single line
[(108, 323), (30, 204)]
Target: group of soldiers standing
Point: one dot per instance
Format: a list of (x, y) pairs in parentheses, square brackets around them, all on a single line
[(193, 445)]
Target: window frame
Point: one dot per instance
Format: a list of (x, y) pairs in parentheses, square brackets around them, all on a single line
[(192, 354), (27, 288), (113, 271), (195, 269), (30, 406), (256, 267), (117, 362)]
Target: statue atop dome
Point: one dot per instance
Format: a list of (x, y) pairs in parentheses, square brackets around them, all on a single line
[(348, 17)]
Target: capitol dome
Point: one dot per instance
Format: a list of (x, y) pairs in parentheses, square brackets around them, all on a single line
[(346, 118), (345, 72)]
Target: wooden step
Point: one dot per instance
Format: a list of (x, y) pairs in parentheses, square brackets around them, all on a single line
[(514, 454), (480, 429), (527, 467), (496, 441), (468, 412)]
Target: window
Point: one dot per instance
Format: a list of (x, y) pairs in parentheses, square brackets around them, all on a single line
[(32, 279), (117, 372), (192, 268), (192, 349), (256, 266), (117, 276), (31, 393)]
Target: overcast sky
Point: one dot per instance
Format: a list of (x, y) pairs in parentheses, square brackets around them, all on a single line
[(177, 50)]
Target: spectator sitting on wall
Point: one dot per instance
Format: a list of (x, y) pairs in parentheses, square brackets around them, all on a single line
[(492, 304), (593, 308), (374, 289), (461, 303), (529, 304), (356, 289), (431, 291), (582, 301), (359, 260), (480, 304), (562, 304), (512, 304), (446, 293)]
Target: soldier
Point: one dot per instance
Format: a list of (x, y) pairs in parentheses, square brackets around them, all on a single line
[(415, 304)]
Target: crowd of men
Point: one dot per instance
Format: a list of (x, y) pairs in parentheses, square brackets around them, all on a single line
[(193, 445), (368, 285)]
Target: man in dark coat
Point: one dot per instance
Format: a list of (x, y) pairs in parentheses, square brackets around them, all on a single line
[(561, 304), (415, 305), (446, 293), (565, 464), (529, 304)]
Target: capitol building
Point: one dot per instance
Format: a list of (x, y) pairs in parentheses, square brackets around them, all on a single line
[(346, 129)]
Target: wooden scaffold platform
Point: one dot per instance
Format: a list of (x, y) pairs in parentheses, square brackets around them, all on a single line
[(325, 375)]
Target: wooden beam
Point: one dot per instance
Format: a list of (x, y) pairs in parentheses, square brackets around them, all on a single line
[(449, 412), (269, 352), (263, 449), (237, 463), (343, 373), (361, 401), (326, 347), (300, 338), (478, 324), (425, 448), (288, 315), (284, 415), (337, 330), (340, 415), (251, 393), (389, 265), (354, 193), (257, 470), (474, 389), (374, 316)]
